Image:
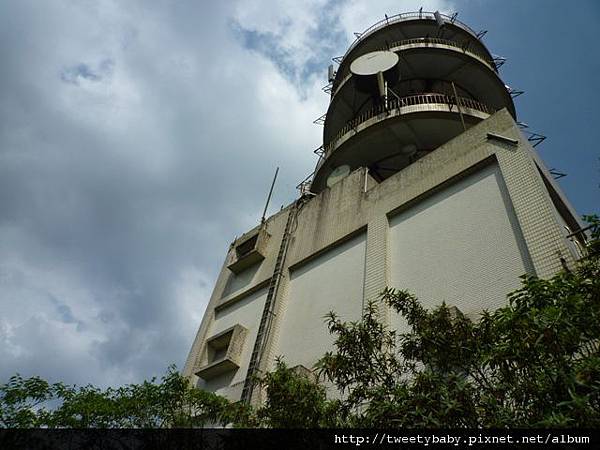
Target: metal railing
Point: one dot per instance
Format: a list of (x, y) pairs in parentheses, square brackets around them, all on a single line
[(304, 185), (403, 17), (434, 40), (422, 40), (583, 241), (394, 109)]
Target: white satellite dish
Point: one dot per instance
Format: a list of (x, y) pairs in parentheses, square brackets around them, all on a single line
[(337, 174), (373, 63), (374, 70)]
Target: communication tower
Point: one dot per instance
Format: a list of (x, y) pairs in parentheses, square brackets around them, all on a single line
[(425, 181)]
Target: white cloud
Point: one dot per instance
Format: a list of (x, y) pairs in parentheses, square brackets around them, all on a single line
[(290, 24)]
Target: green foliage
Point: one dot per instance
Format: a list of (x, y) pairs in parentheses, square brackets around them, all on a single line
[(294, 400), (20, 398), (170, 403)]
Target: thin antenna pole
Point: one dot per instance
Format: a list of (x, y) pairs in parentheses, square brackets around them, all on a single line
[(262, 220), (462, 119)]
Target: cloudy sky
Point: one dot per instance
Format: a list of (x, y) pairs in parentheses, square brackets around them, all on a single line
[(138, 138)]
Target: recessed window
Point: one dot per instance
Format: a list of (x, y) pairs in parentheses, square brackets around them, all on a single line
[(248, 251), (222, 353), (246, 247), (217, 348)]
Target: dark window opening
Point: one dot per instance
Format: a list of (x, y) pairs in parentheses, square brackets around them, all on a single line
[(246, 247), (217, 348)]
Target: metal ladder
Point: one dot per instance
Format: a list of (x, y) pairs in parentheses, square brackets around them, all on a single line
[(268, 313)]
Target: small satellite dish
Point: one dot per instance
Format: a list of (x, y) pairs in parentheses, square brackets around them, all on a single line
[(373, 63), (439, 19), (337, 174), (330, 73)]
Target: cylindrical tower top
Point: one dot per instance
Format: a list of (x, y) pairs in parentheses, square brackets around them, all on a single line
[(444, 81)]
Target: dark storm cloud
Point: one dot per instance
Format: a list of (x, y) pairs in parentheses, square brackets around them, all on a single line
[(128, 161)]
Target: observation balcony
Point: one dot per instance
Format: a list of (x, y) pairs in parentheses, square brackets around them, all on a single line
[(434, 61), (378, 135), (406, 26), (441, 80), (421, 42), (409, 16)]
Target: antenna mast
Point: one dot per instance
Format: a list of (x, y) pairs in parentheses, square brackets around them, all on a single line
[(262, 220)]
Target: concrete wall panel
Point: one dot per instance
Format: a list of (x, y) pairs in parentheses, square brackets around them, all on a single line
[(332, 281), (462, 245)]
